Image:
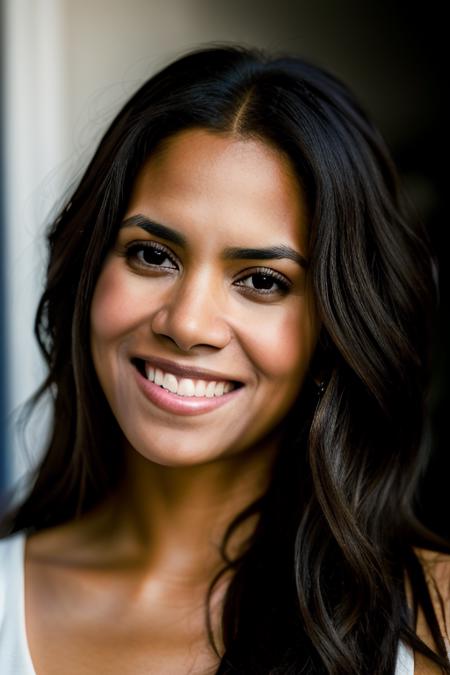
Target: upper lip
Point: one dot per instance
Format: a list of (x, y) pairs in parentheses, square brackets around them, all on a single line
[(186, 371)]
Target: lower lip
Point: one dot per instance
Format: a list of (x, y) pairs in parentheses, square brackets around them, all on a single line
[(182, 405)]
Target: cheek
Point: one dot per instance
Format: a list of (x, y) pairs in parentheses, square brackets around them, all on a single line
[(114, 303), (281, 344)]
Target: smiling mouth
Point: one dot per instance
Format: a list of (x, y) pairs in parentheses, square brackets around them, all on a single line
[(188, 387)]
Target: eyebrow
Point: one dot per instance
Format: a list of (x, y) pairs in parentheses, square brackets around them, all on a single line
[(280, 252), (156, 229)]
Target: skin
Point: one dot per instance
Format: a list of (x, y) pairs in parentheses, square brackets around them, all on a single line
[(226, 193), (140, 565)]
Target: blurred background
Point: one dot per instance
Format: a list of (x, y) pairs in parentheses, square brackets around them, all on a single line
[(68, 66)]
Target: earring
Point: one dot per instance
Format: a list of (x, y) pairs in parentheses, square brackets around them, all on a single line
[(320, 389)]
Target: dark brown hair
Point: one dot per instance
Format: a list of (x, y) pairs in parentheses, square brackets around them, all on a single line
[(320, 587)]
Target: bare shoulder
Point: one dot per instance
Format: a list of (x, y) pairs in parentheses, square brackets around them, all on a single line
[(431, 559), (436, 568), (77, 542), (45, 543)]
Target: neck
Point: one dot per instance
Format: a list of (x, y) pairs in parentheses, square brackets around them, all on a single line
[(174, 518)]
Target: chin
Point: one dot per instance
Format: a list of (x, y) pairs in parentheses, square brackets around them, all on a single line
[(184, 453)]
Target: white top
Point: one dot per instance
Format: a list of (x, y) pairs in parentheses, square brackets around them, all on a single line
[(15, 656)]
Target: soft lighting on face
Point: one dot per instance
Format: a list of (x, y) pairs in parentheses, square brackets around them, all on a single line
[(207, 283)]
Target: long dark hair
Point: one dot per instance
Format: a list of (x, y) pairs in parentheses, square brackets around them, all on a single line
[(320, 586)]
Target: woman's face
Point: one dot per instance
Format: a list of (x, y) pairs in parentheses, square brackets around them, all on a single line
[(202, 321)]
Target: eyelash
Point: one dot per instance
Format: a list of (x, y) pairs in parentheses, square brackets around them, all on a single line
[(132, 250), (131, 253), (283, 284)]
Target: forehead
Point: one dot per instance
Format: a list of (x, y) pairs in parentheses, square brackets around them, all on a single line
[(236, 186)]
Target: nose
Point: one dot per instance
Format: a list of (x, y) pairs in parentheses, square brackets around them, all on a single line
[(193, 315)]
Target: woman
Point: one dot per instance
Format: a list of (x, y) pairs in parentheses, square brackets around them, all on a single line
[(236, 324)]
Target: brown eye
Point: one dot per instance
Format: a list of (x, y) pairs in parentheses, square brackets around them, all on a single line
[(150, 254), (264, 282)]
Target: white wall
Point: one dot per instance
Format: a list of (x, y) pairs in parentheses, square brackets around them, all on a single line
[(35, 145)]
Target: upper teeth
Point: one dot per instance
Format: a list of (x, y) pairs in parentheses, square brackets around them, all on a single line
[(184, 386)]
